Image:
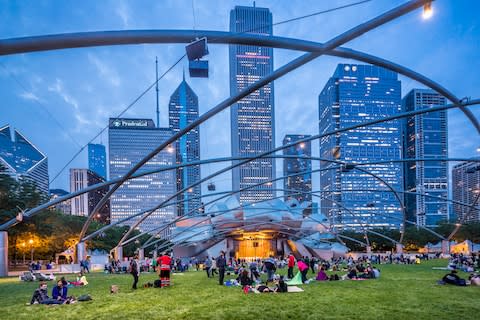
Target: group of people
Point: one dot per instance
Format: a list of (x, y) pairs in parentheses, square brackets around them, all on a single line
[(163, 265), (216, 266), (59, 291), (465, 263)]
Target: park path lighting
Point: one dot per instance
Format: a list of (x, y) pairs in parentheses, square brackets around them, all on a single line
[(23, 249), (427, 11), (30, 242)]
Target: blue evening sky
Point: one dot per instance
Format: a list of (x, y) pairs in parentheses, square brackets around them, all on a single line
[(61, 99)]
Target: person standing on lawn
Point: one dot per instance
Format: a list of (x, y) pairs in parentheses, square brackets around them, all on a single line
[(291, 264), (164, 262), (135, 271), (221, 264)]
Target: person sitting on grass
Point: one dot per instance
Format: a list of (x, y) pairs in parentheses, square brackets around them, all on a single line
[(453, 278), (59, 292), (244, 278), (352, 273), (321, 275), (281, 285), (81, 281), (40, 296)]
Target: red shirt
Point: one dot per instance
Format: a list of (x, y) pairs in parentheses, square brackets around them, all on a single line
[(164, 262), (291, 261)]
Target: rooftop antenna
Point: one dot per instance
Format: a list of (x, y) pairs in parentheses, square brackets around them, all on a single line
[(156, 89)]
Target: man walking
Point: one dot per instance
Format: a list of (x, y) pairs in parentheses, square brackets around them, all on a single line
[(208, 265), (134, 270), (221, 264)]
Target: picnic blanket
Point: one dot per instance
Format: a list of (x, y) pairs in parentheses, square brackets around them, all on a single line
[(294, 289), (297, 280), (290, 289)]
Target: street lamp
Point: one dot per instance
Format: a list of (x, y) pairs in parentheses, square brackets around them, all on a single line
[(31, 249), (427, 11), (23, 249)]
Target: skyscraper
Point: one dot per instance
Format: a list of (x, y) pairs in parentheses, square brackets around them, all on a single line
[(297, 186), (253, 117), (97, 159), (130, 140), (22, 159), (183, 110), (426, 137), (466, 189), (356, 94), (84, 204)]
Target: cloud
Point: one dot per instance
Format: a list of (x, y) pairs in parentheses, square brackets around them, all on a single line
[(105, 71), (58, 88), (29, 96), (122, 12)]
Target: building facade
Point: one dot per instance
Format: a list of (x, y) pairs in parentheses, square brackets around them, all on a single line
[(253, 117), (182, 111), (97, 159), (426, 137), (466, 190), (130, 140), (298, 184), (351, 196), (22, 159), (84, 204), (66, 206)]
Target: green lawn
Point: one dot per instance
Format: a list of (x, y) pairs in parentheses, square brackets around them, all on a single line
[(402, 292)]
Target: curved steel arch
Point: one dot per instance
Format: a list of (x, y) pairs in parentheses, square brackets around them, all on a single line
[(344, 54), (420, 81)]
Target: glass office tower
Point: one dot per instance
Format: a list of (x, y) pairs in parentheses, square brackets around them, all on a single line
[(426, 137), (130, 140), (297, 186), (182, 111), (352, 198), (466, 189), (253, 117), (22, 159), (97, 159)]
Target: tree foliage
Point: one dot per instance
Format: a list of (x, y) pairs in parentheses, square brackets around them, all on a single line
[(51, 231)]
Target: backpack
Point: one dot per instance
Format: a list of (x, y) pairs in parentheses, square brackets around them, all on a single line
[(157, 283), (85, 297)]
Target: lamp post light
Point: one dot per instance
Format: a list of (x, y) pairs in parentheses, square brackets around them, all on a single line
[(23, 249), (427, 11), (31, 249)]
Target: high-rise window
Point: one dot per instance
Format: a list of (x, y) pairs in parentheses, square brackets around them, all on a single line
[(253, 117), (183, 110), (351, 197)]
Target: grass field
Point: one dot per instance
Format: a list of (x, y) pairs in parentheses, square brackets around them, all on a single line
[(402, 292)]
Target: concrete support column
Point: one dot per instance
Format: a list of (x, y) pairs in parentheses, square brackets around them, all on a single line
[(399, 248), (155, 253), (445, 246), (119, 253), (369, 250), (3, 254), (81, 253), (141, 254)]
